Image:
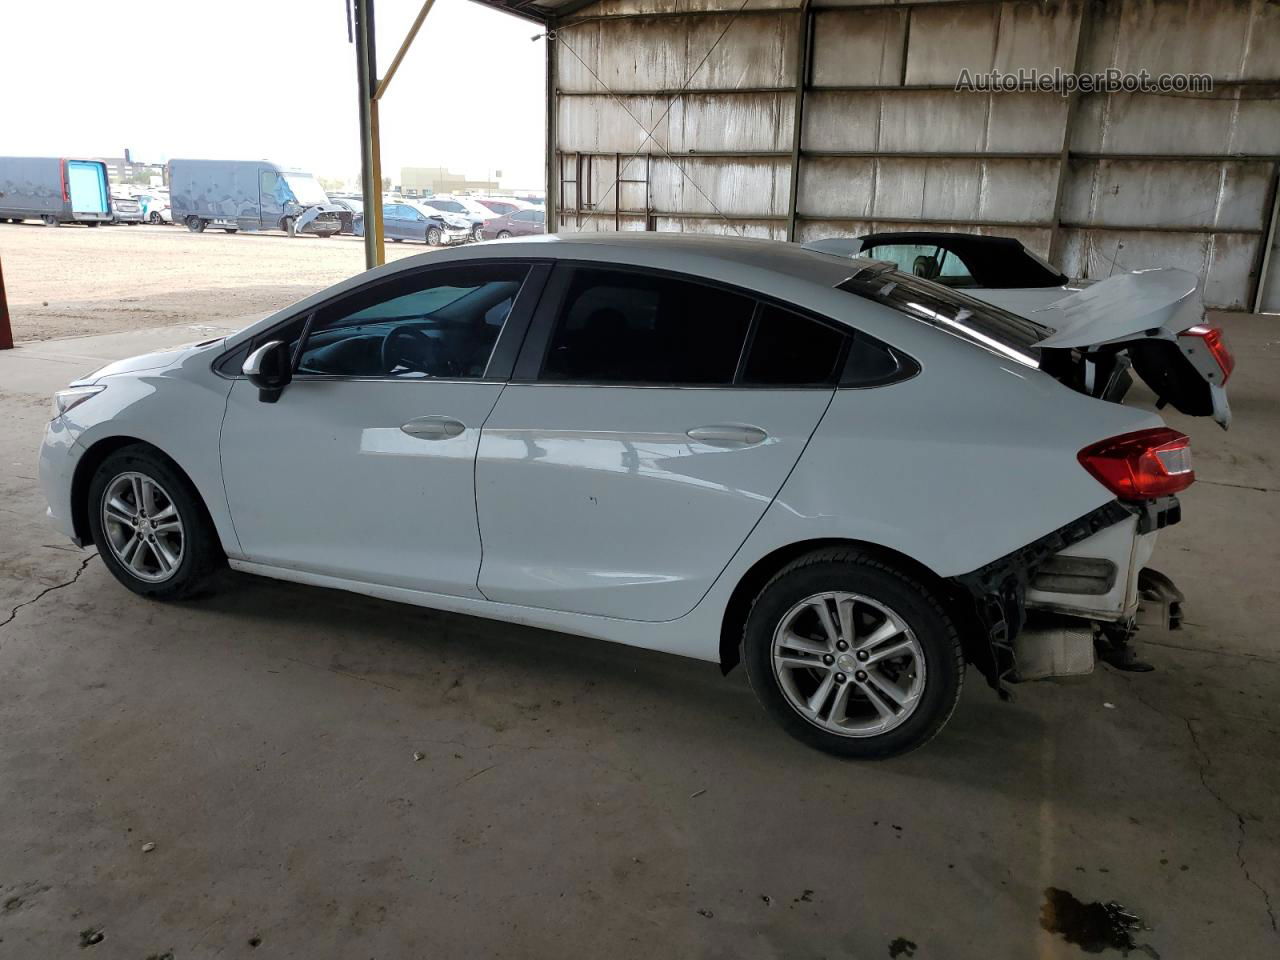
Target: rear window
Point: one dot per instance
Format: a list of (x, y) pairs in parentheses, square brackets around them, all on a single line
[(791, 350), (988, 326)]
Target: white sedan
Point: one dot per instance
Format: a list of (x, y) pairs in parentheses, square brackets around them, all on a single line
[(853, 480)]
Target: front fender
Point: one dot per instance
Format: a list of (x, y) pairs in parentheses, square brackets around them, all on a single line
[(179, 411)]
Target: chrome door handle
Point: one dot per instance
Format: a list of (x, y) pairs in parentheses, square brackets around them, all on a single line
[(433, 428), (727, 435)]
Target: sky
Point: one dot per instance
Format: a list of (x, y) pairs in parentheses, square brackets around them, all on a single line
[(275, 80)]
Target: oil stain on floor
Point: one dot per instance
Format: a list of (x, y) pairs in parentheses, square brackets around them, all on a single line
[(1093, 927)]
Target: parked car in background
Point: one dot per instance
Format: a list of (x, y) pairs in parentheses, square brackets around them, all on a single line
[(249, 195), (351, 210), (521, 223), (55, 190), (477, 214), (125, 209), (1176, 355), (410, 221), (503, 205), (853, 480), (155, 207)]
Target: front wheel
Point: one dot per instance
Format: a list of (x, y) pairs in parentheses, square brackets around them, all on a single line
[(231, 229), (155, 217), (433, 237), (149, 524), (196, 225), (289, 226), (49, 220), (853, 656)]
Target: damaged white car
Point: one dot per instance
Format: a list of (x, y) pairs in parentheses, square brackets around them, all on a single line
[(851, 479)]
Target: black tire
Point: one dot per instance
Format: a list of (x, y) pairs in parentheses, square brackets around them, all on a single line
[(853, 571), (49, 220), (231, 229), (196, 225), (433, 236), (155, 218), (504, 234), (289, 226), (91, 223), (201, 552)]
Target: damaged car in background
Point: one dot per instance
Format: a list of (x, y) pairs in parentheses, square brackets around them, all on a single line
[(1148, 322), (852, 480)]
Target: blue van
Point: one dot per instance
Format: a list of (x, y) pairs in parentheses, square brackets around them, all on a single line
[(54, 189)]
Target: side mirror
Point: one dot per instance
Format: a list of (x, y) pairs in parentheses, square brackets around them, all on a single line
[(270, 369)]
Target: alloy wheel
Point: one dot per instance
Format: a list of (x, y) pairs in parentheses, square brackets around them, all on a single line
[(143, 528), (848, 664)]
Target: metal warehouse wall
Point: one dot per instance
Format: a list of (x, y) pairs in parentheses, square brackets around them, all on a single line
[(1096, 182)]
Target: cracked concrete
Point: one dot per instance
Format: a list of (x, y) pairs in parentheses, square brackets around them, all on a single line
[(1205, 765), (46, 591), (577, 798)]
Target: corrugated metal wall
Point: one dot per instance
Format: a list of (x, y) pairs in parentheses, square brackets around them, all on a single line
[(1095, 181)]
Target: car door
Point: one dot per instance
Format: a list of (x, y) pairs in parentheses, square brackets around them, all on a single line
[(363, 468), (415, 223), (270, 198), (641, 439), (521, 223), (393, 225)]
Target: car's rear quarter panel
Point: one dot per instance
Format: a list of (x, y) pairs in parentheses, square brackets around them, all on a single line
[(964, 463)]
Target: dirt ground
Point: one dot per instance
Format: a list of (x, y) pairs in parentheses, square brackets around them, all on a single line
[(272, 770), (74, 281)]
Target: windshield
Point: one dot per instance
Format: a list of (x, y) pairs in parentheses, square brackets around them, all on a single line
[(305, 189), (998, 330)]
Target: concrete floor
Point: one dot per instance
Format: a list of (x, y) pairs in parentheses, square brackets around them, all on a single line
[(580, 799)]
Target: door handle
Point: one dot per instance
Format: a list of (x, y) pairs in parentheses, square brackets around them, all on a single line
[(727, 435), (433, 428)]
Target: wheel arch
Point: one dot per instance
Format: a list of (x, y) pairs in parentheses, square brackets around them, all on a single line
[(88, 465), (734, 619)]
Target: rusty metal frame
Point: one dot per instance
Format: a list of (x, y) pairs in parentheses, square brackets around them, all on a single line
[(804, 56)]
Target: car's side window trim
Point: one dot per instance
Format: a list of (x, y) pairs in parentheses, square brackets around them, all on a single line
[(528, 368), (501, 359)]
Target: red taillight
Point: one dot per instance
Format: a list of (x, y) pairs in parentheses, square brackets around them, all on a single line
[(1142, 465), (1216, 343)]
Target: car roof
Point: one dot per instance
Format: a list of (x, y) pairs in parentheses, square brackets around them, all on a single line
[(683, 252)]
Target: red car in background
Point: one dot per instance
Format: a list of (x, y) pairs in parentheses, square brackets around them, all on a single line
[(521, 223)]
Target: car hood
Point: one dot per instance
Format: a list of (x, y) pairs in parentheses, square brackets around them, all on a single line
[(159, 360), (1122, 307)]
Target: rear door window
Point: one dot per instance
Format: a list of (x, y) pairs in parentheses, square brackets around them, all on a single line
[(630, 327), (791, 350)]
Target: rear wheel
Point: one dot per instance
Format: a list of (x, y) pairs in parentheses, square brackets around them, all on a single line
[(155, 217), (149, 524), (196, 225), (231, 229), (852, 656), (504, 234), (91, 223)]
